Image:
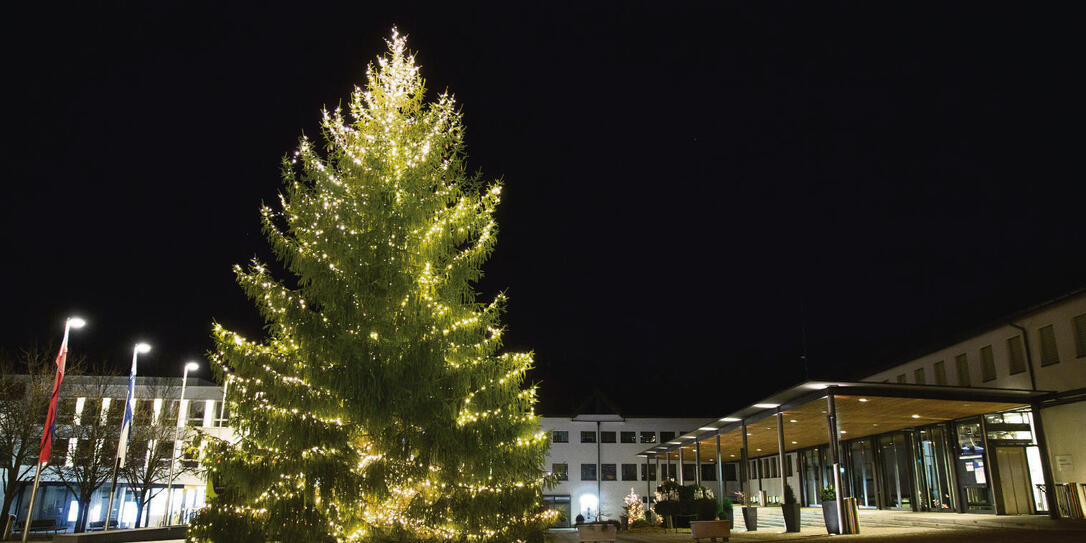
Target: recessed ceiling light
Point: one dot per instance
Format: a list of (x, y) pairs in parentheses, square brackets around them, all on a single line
[(733, 456), (844, 432), (793, 420), (916, 416), (749, 434), (729, 419), (766, 405), (759, 449), (863, 399), (706, 428), (795, 442)]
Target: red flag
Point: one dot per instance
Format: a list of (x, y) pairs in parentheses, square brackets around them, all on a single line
[(51, 418)]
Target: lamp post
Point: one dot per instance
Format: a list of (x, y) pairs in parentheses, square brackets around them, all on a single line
[(50, 419), (191, 366), (126, 428)]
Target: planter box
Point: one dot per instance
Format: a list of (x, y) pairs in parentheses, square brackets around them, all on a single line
[(711, 529), (791, 516), (596, 532), (829, 514), (750, 518)]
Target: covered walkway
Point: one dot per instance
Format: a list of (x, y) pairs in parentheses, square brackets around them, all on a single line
[(891, 446)]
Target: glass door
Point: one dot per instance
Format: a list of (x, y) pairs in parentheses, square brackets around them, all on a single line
[(935, 484), (894, 469), (861, 472)]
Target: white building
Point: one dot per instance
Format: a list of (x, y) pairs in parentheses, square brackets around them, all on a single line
[(595, 458)]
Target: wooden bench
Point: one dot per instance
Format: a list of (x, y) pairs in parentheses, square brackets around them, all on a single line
[(45, 525), (711, 529)]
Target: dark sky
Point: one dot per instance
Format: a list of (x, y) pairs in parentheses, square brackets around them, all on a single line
[(685, 186)]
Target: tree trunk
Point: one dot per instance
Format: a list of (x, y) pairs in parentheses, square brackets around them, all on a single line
[(81, 520), (139, 511)]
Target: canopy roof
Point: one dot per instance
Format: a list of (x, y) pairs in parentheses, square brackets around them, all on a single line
[(863, 409)]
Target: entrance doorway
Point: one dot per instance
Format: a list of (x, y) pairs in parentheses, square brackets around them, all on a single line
[(895, 471), (935, 482), (862, 472), (562, 505), (1014, 480)]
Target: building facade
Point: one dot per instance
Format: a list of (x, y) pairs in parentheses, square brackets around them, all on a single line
[(594, 458)]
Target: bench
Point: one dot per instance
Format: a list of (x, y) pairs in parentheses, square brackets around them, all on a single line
[(45, 525), (711, 529)]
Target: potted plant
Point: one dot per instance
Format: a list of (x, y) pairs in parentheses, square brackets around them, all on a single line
[(829, 510), (725, 511), (750, 513), (790, 509)]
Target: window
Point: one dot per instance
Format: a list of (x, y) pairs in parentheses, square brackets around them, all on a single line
[(59, 454), (560, 436), (588, 472), (115, 413), (918, 376), (560, 471), (588, 437), (987, 364), (901, 378), (940, 373), (666, 436), (628, 437), (689, 472), (607, 437), (670, 471), (1016, 355), (648, 472), (629, 472), (608, 472), (1078, 326), (1049, 353), (648, 437), (708, 472), (962, 362), (729, 472), (196, 412)]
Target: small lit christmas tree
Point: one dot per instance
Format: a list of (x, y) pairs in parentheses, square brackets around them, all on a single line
[(380, 407), (634, 510)]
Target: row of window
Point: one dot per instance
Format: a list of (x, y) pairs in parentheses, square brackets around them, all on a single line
[(649, 472), (1016, 357), (562, 436), (69, 410)]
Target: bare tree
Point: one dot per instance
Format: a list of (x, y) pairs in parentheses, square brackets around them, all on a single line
[(25, 388), (95, 427), (151, 443)]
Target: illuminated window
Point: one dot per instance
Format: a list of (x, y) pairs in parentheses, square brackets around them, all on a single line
[(628, 437), (560, 436), (648, 437), (1049, 352)]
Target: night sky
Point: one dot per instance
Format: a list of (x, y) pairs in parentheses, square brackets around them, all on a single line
[(688, 191)]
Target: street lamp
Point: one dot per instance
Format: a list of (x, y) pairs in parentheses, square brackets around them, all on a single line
[(50, 418), (191, 366), (122, 439)]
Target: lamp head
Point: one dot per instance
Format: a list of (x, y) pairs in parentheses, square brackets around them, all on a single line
[(76, 322), (192, 366), (143, 348)]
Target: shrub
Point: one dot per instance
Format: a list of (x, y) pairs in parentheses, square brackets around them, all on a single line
[(789, 494), (829, 494)]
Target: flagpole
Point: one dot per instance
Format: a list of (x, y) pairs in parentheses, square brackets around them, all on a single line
[(46, 447), (126, 428), (30, 508)]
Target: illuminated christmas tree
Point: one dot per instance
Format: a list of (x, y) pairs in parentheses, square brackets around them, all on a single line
[(380, 406)]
